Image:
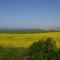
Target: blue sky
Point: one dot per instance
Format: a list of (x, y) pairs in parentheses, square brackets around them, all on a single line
[(29, 13)]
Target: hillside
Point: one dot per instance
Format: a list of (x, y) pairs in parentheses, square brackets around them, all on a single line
[(28, 31)]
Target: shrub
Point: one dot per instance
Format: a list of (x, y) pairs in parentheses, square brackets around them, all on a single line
[(42, 50)]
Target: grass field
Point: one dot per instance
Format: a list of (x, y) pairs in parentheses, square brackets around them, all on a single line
[(25, 40)]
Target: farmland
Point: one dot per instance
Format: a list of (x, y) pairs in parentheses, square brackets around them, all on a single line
[(15, 46), (25, 40)]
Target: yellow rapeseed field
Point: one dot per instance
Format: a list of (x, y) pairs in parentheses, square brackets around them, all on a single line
[(25, 40)]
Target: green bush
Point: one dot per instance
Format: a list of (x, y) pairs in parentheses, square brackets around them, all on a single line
[(42, 50)]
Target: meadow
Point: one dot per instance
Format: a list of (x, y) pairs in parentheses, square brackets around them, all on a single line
[(25, 40), (16, 46)]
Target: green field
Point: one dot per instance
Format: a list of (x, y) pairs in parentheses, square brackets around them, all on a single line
[(16, 46), (25, 40)]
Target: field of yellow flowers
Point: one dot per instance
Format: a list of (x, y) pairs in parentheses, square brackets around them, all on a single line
[(25, 40)]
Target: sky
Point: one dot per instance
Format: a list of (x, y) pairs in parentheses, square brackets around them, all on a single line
[(22, 14)]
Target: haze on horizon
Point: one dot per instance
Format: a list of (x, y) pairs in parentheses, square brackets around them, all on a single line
[(22, 14)]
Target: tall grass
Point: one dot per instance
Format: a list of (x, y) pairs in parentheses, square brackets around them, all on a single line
[(11, 53)]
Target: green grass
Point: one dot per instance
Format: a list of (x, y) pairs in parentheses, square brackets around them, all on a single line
[(11, 53)]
